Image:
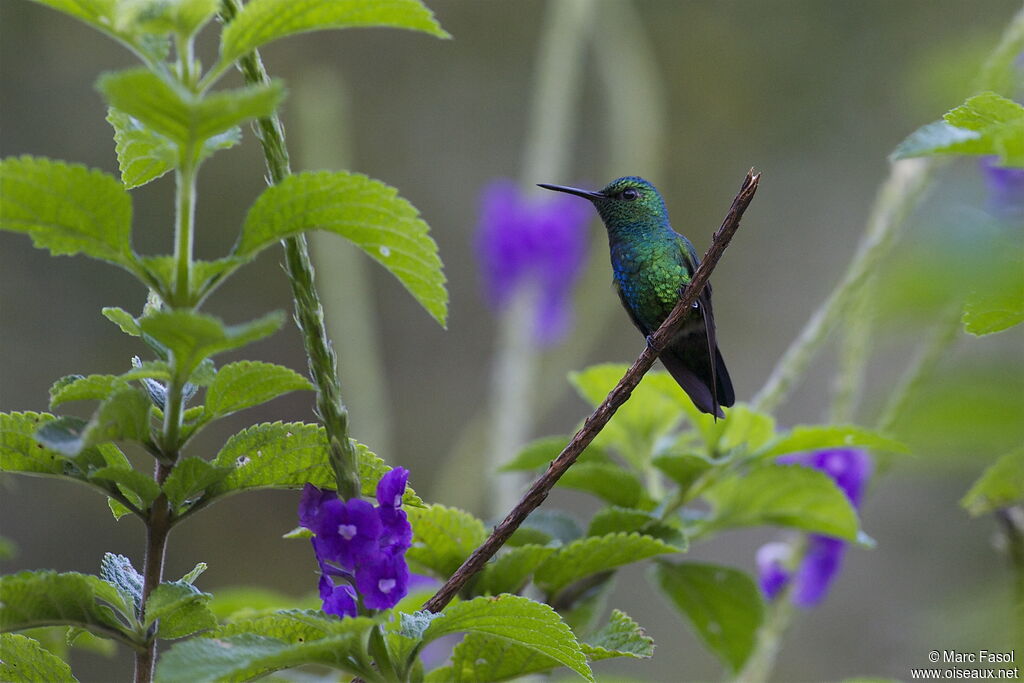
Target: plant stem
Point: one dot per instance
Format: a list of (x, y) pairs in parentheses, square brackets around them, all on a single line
[(897, 197), (184, 228), (538, 492), (158, 526), (854, 351), (1012, 521), (759, 665), (309, 314)]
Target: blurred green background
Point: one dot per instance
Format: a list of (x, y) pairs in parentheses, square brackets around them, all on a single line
[(815, 94)]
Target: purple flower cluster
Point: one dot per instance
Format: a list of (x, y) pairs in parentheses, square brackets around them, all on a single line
[(850, 468), (360, 544), (538, 241)]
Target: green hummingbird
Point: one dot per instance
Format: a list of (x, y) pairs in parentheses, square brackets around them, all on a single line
[(651, 264)]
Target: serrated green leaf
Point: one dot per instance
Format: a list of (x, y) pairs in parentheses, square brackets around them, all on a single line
[(612, 520), (20, 452), (117, 570), (509, 572), (620, 637), (784, 495), (745, 427), (139, 488), (611, 483), (106, 16), (540, 452), (249, 383), (246, 656), (184, 17), (123, 415), (45, 598), (262, 21), (26, 661), (244, 602), (443, 538), (193, 337), (649, 414), (364, 211), (1000, 485), (288, 455), (722, 604), (190, 477), (180, 608), (142, 154), (815, 437), (984, 124), (67, 209), (80, 388), (186, 119), (479, 658), (516, 619), (123, 319), (594, 554)]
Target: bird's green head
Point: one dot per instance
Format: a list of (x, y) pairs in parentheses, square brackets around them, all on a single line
[(626, 200)]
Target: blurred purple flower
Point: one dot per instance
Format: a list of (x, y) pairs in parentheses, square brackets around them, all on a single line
[(532, 241), (1005, 188), (362, 545), (850, 468)]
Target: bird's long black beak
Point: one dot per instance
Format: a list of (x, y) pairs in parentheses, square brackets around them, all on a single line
[(586, 194)]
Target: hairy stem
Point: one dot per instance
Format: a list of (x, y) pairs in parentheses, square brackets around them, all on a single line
[(897, 197), (854, 350), (538, 492), (309, 314), (158, 526)]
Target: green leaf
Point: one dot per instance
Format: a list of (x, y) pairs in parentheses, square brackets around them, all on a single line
[(479, 657), (26, 661), (183, 117), (539, 454), (1000, 485), (192, 337), (249, 383), (510, 571), (366, 212), (785, 495), (287, 456), (20, 452), (516, 619), (811, 438), (594, 554), (99, 387), (180, 608), (190, 477), (124, 415), (984, 124), (443, 538), (649, 415), (547, 527), (130, 482), (262, 21), (610, 483), (123, 319), (684, 469), (45, 598), (246, 656), (620, 637), (142, 154), (117, 570), (67, 209), (722, 604), (999, 305), (612, 520), (106, 16)]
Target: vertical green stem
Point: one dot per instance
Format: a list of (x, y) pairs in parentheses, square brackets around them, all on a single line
[(184, 228), (897, 197), (308, 310), (778, 615), (854, 351)]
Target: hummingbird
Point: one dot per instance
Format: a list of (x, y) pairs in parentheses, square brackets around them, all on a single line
[(651, 265)]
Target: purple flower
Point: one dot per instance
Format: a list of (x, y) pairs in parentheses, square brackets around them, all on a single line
[(362, 545), (537, 242), (1005, 188), (850, 468)]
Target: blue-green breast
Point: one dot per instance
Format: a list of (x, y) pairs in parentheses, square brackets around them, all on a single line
[(649, 270)]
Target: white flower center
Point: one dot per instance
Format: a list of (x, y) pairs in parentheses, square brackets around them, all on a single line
[(385, 585), (398, 500), (347, 531)]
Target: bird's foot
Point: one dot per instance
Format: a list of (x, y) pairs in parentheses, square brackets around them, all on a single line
[(650, 343)]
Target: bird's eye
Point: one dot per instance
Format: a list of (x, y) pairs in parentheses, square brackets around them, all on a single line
[(630, 194)]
